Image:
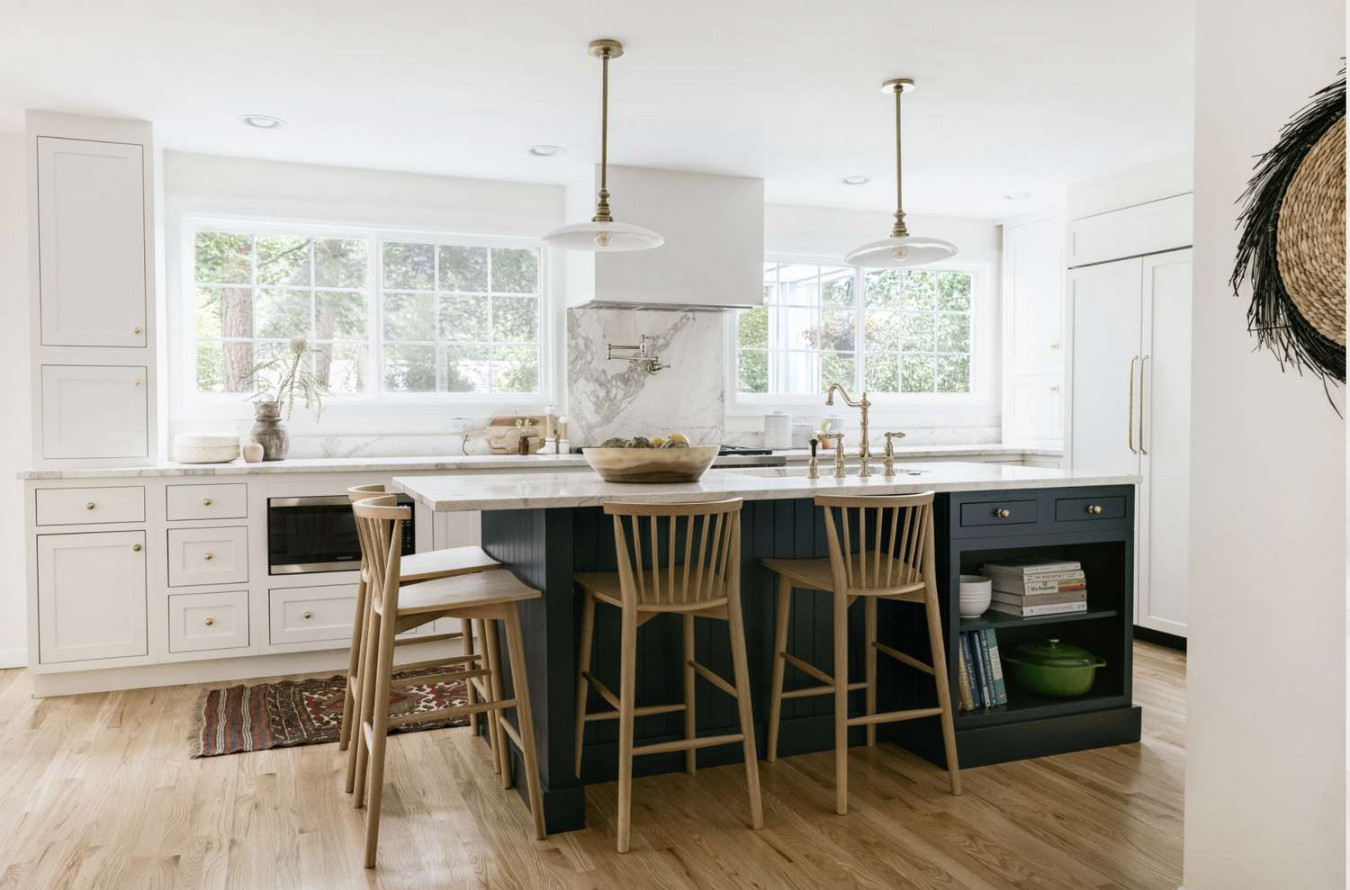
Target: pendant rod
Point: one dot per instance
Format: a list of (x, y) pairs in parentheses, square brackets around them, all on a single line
[(899, 230), (602, 200)]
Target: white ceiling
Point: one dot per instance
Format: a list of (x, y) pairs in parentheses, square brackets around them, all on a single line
[(1013, 96)]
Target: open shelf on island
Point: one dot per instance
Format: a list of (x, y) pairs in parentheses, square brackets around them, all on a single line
[(1029, 706), (1000, 620)]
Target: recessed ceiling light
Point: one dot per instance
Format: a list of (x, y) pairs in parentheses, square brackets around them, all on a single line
[(856, 180), (1017, 196), (262, 121), (545, 151)]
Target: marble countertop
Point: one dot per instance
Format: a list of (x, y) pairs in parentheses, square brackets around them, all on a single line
[(488, 492), (476, 462)]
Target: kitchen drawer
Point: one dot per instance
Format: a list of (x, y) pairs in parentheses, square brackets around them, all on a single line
[(81, 506), (311, 614), (202, 621), (1093, 509), (208, 556), (208, 501), (999, 513)]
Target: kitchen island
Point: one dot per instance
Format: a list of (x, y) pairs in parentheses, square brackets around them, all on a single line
[(547, 527)]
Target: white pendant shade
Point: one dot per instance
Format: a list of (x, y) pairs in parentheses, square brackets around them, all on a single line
[(893, 253), (604, 236)]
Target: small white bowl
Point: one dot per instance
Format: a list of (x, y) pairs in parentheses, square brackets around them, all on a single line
[(977, 592)]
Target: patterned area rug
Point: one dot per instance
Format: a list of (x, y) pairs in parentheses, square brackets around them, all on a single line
[(235, 719)]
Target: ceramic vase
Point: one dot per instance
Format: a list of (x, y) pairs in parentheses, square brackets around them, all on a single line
[(269, 432)]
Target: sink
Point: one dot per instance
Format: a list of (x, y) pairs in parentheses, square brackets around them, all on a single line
[(826, 472)]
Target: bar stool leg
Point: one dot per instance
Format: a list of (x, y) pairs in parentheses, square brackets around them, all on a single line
[(503, 746), (584, 665), (870, 623), (353, 672), (690, 723), (780, 636), (738, 660), (359, 755), (840, 703), (525, 720), (470, 694), (627, 694), (944, 689), (383, 664)]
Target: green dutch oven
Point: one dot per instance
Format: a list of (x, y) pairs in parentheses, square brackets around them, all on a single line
[(1050, 667)]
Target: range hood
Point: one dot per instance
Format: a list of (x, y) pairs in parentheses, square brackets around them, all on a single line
[(713, 257)]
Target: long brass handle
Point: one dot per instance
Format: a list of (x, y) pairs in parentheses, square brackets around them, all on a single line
[(1143, 365), (1129, 410)]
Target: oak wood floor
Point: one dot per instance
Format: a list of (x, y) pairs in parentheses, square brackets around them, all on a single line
[(98, 791)]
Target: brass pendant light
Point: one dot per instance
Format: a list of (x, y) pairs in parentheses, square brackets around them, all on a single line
[(901, 248), (602, 233)]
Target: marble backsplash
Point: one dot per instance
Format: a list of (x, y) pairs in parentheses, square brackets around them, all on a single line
[(619, 398)]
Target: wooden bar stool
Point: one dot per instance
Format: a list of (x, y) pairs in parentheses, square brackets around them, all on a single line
[(899, 566), (394, 608), (415, 568), (704, 582)]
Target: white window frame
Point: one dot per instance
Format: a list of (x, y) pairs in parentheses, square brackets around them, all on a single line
[(983, 354), (191, 404)]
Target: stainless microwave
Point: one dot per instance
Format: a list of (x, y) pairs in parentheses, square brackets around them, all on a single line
[(318, 534)]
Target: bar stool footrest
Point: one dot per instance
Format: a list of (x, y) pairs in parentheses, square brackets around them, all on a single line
[(687, 744), (903, 658), (806, 691), (894, 716)]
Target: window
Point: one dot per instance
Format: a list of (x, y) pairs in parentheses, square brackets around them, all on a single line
[(385, 316), (889, 331)]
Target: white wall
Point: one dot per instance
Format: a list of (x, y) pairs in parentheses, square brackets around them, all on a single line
[(14, 403), (1265, 752), (207, 186)]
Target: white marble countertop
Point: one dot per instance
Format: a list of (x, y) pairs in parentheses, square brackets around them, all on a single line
[(476, 462), (535, 490)]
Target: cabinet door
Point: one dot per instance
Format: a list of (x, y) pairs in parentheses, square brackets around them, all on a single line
[(1105, 307), (1035, 409), (1033, 299), (1164, 410), (91, 596), (91, 242), (91, 411)]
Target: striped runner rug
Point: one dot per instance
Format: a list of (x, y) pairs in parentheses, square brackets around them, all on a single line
[(237, 719)]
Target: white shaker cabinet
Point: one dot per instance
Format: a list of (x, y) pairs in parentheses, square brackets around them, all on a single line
[(1033, 331), (91, 596), (1129, 409), (91, 242), (94, 411)]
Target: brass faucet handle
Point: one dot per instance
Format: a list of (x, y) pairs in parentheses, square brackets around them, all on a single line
[(839, 456), (890, 442)]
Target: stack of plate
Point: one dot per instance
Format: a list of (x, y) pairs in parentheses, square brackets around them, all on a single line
[(205, 448), (977, 592)]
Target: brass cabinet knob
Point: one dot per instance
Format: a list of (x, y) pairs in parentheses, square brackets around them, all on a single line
[(208, 556), (208, 622), (91, 505), (1054, 347), (137, 330), (206, 502), (1054, 387), (136, 548), (1002, 512), (307, 615), (136, 382), (1094, 509)]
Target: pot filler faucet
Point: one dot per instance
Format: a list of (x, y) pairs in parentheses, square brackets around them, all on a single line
[(864, 456)]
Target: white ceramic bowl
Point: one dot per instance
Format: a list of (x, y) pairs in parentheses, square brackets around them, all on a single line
[(205, 448), (977, 592)]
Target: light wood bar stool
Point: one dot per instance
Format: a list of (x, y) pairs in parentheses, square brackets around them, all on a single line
[(416, 567), (394, 608), (898, 566), (704, 583)]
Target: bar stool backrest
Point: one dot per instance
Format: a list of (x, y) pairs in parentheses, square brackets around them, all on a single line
[(898, 530), (377, 522), (701, 546)]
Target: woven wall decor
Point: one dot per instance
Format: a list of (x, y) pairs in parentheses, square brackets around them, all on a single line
[(1293, 240)]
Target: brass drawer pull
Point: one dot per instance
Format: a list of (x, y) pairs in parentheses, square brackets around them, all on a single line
[(210, 621), (206, 502), (208, 556), (91, 505), (1002, 512), (136, 330), (135, 548), (1094, 509), (307, 615)]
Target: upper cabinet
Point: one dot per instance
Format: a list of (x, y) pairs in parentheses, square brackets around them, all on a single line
[(713, 256), (1150, 227), (91, 242), (1033, 296)]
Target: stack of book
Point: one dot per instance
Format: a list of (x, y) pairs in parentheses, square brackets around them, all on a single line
[(982, 684), (1027, 588)]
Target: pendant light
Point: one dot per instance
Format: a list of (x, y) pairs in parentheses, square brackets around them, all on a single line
[(602, 232), (902, 248)]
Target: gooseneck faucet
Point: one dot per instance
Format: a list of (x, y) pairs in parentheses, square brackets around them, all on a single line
[(864, 456)]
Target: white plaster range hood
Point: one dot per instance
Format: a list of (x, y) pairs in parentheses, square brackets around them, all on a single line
[(713, 257)]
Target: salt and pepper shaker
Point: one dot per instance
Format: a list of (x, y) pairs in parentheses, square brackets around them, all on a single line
[(813, 465)]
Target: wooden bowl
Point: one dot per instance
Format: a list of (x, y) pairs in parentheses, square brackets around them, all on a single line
[(650, 464)]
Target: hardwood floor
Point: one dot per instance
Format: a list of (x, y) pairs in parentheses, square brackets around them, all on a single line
[(98, 791)]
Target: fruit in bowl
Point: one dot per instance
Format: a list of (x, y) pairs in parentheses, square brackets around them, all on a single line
[(658, 459)]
